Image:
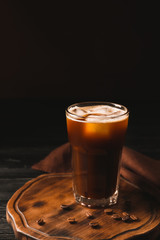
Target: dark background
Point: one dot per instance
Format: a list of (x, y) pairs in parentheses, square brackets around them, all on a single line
[(80, 51), (54, 54)]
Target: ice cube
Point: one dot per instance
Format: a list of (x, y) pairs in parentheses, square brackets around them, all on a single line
[(95, 117), (94, 129), (91, 118), (80, 112), (104, 110)]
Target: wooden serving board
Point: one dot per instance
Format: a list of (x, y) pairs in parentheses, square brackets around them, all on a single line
[(34, 212)]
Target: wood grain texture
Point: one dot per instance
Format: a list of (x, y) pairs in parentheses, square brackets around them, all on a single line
[(41, 198)]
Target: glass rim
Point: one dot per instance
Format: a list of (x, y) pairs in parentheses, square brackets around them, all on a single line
[(94, 103)]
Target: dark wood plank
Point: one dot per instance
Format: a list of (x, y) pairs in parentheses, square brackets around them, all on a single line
[(23, 157), (6, 232), (12, 174)]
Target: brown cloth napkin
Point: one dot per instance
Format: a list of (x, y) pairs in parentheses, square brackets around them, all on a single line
[(137, 168)]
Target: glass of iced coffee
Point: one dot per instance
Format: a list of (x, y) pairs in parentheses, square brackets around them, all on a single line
[(96, 131)]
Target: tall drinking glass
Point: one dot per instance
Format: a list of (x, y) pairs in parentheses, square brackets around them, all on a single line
[(96, 131)]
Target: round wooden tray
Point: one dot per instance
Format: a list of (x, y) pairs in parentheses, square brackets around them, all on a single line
[(34, 212)]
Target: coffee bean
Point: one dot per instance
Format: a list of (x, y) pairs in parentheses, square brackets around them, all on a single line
[(41, 222), (65, 207), (126, 218), (133, 217), (94, 224), (71, 220), (108, 211), (89, 215), (125, 214), (116, 217)]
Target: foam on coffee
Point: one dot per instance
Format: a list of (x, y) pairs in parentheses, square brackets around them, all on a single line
[(97, 113)]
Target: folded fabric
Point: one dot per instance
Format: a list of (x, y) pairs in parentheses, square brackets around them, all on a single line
[(58, 161), (137, 168), (142, 171)]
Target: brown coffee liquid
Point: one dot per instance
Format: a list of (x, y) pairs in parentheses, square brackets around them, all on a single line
[(96, 151)]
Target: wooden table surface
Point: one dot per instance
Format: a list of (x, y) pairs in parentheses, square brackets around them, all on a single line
[(29, 130)]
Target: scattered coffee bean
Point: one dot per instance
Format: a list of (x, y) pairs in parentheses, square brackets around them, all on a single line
[(116, 217), (126, 218), (65, 207), (125, 214), (108, 211), (89, 215), (41, 222), (133, 217), (94, 224), (71, 220)]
